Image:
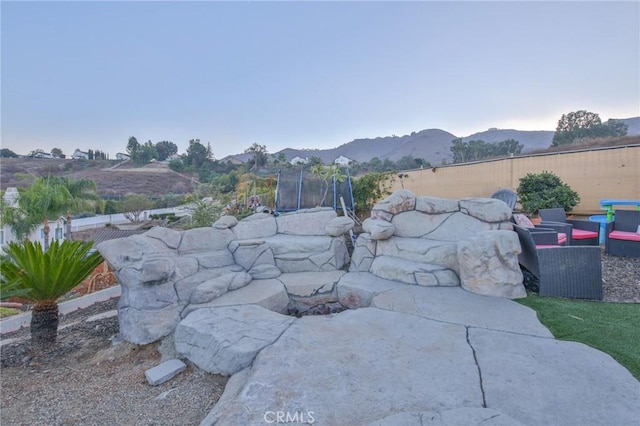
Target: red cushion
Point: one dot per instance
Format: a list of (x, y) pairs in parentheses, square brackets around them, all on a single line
[(544, 246), (623, 235), (579, 234), (562, 238)]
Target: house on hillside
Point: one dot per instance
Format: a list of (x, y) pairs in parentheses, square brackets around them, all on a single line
[(342, 161), (56, 227), (172, 157), (121, 156), (299, 160), (46, 155), (39, 153), (233, 160), (77, 155)]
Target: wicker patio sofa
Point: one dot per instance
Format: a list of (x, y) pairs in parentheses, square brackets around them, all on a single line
[(562, 271), (621, 237), (583, 232)]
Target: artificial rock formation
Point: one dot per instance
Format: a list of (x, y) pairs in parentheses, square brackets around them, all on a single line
[(417, 345), (166, 274), (431, 241), (294, 261)]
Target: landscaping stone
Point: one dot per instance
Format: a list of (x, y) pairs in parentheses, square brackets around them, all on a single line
[(401, 200), (576, 384), (104, 315), (378, 229), (146, 326), (164, 372), (357, 289), (489, 210), (170, 237), (489, 266), (251, 253), (270, 294), (410, 272), (363, 253), (185, 286), (203, 240), (225, 222), (258, 225), (454, 305), (305, 222), (379, 363), (127, 251), (436, 205), (456, 417), (308, 253), (339, 226), (225, 340), (263, 272), (417, 240), (216, 287)]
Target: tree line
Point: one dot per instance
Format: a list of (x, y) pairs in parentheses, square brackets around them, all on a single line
[(572, 128)]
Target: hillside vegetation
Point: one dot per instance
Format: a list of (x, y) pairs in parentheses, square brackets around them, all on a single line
[(153, 179)]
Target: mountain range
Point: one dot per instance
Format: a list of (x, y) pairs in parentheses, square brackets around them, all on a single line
[(431, 144)]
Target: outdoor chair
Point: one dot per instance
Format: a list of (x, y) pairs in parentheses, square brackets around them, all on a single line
[(583, 232), (622, 237), (508, 196), (562, 232), (573, 272)]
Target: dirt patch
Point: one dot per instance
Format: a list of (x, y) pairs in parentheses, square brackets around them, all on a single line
[(90, 378), (150, 180)]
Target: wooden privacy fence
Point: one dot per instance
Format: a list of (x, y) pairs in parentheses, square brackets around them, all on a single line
[(595, 174)]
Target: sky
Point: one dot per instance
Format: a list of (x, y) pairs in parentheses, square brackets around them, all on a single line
[(317, 75)]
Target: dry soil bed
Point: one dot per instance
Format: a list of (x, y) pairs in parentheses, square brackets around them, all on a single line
[(86, 379)]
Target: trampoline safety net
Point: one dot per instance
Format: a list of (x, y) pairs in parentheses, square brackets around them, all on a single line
[(302, 190)]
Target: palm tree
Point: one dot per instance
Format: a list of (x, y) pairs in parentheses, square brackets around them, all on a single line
[(48, 198), (83, 196), (43, 277)]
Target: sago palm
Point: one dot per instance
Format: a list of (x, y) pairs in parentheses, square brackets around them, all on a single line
[(43, 277)]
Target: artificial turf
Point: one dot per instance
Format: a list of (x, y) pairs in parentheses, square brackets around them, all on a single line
[(613, 328)]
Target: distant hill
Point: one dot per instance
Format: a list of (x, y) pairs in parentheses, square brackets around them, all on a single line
[(431, 144), (633, 125), (153, 179), (532, 140)]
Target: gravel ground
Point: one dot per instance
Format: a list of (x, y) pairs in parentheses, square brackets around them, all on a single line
[(620, 279), (86, 379), (90, 379)]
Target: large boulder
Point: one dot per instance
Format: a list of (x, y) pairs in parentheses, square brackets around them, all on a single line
[(225, 340), (305, 222), (258, 225), (489, 264), (339, 226), (378, 229), (203, 240)]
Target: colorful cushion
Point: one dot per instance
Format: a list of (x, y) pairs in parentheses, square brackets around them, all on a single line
[(580, 234), (562, 238), (544, 246), (523, 221), (623, 235)]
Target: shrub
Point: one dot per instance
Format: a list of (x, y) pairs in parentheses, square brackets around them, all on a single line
[(370, 188), (545, 191)]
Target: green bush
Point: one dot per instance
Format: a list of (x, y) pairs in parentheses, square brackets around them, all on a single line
[(545, 191), (370, 188)]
